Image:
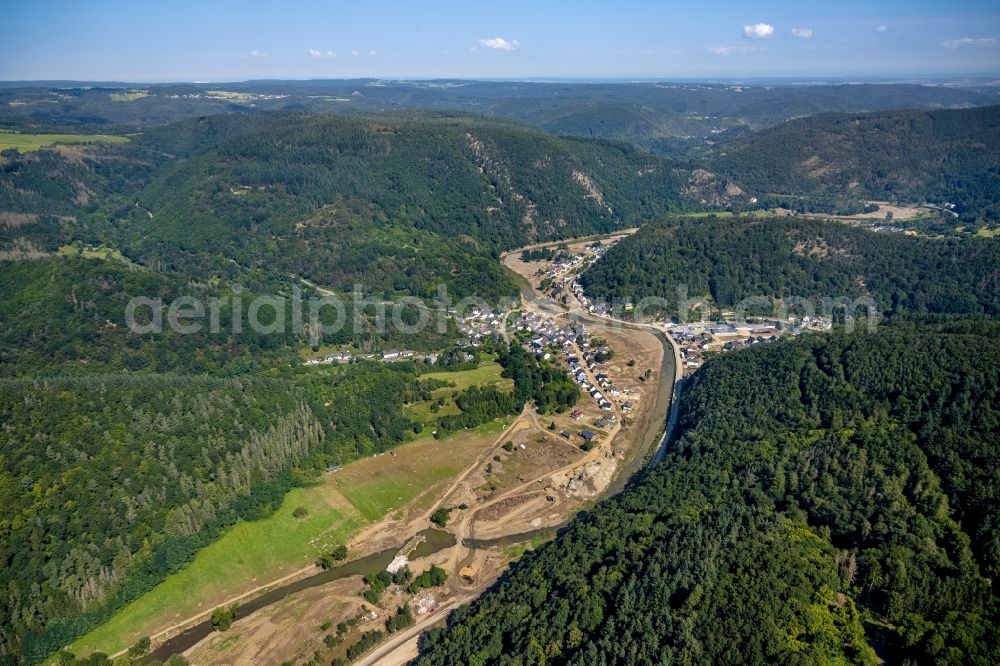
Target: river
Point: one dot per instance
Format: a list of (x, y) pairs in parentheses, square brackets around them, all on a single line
[(434, 540)]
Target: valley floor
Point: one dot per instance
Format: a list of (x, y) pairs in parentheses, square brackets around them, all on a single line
[(519, 480)]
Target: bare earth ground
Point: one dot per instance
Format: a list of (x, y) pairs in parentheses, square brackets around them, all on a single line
[(529, 270), (899, 213)]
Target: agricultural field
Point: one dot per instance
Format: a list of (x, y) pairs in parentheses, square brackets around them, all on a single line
[(28, 142), (130, 96)]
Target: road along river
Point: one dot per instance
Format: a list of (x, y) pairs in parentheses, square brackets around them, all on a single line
[(659, 427), (433, 541)]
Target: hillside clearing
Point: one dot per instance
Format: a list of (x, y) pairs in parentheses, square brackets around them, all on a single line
[(487, 374)]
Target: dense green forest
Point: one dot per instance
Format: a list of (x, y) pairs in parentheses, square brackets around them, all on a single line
[(938, 157), (730, 260), (828, 499), (326, 196), (69, 314), (113, 481), (54, 183), (544, 383)]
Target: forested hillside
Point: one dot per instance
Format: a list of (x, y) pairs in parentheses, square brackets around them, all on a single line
[(397, 203), (729, 260), (325, 196), (830, 499), (670, 118), (938, 157), (109, 483), (686, 119), (113, 481), (54, 196), (69, 315)]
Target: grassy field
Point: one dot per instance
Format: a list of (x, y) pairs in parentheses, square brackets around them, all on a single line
[(487, 374), (703, 214), (105, 253), (250, 554), (388, 482), (517, 550), (421, 411), (245, 556), (28, 142)]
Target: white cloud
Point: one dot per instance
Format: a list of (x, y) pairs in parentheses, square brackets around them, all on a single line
[(319, 53), (758, 31), (355, 52), (500, 44), (256, 54), (802, 33), (969, 43), (372, 52), (729, 50), (881, 28)]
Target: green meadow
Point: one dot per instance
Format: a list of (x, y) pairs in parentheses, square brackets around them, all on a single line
[(487, 374), (104, 253), (338, 507), (28, 142), (248, 554)]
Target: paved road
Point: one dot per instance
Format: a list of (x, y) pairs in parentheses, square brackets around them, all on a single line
[(661, 450), (383, 654)]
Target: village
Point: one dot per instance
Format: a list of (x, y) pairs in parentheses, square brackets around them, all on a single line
[(695, 342), (388, 355), (569, 343), (572, 345)]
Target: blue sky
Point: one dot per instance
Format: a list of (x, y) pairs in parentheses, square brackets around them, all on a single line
[(211, 40)]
